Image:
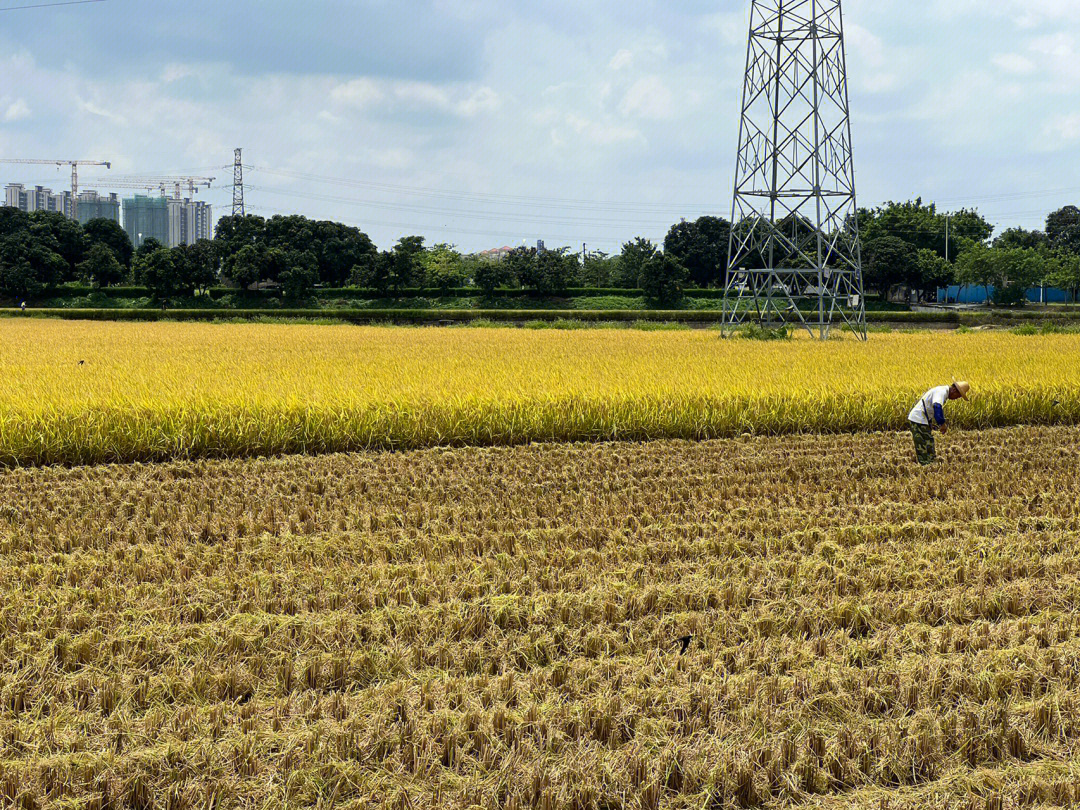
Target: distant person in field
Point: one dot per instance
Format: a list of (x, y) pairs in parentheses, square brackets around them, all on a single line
[(929, 414)]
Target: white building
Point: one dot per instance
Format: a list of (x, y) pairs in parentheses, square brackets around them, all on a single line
[(38, 198), (189, 221)]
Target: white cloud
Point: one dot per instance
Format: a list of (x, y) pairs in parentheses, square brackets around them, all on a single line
[(176, 71), (648, 98), (358, 93), (730, 25), (1014, 63), (1060, 45), (1032, 13), (18, 110), (95, 110), (598, 134), (880, 82), (867, 46), (422, 94), (483, 100), (621, 60), (1064, 128), (367, 93)]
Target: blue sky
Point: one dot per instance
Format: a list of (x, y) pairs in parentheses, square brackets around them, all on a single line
[(489, 122)]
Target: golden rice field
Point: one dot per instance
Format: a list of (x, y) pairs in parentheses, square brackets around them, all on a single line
[(94, 392), (498, 628)]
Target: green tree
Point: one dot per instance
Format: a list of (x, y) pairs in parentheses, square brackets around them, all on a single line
[(195, 266), (702, 248), (149, 245), (663, 279), (300, 275), (404, 265), (157, 272), (492, 274), (560, 269), (1022, 238), (337, 248), (101, 267), (520, 264), (632, 261), (29, 265), (442, 267), (977, 266), (202, 265), (13, 221), (1011, 272), (248, 266), (889, 261), (232, 235), (109, 233), (1017, 271), (967, 224), (600, 269), (934, 271), (1064, 272), (1063, 229), (67, 235), (544, 272), (923, 227), (373, 273)]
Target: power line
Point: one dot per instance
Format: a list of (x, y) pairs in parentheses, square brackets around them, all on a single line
[(466, 213), (477, 196), (417, 227), (52, 5)]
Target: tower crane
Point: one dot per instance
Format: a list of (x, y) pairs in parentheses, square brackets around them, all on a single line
[(192, 184), (74, 164)]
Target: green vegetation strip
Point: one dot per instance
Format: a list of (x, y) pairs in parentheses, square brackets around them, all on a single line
[(511, 316)]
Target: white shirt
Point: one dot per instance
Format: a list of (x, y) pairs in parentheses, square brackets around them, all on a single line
[(923, 412)]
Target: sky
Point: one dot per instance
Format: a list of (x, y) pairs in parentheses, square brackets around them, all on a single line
[(484, 123)]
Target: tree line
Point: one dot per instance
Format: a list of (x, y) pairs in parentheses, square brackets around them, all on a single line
[(41, 251), (908, 245), (914, 246)]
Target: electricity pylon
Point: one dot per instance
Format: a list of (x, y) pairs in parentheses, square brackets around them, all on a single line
[(794, 257), (238, 209)]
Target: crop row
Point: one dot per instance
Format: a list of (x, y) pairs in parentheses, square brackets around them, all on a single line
[(501, 628)]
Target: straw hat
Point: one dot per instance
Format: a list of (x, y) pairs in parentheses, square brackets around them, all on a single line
[(964, 389)]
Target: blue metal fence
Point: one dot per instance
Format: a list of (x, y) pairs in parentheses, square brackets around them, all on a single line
[(978, 294)]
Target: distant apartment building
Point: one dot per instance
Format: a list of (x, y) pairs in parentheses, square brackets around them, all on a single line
[(94, 206), (91, 204), (170, 221), (37, 198), (189, 221)]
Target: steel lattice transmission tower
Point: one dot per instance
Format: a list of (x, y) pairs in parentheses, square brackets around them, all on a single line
[(794, 257), (238, 185)]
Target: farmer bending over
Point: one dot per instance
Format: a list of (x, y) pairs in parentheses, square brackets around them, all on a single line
[(928, 413)]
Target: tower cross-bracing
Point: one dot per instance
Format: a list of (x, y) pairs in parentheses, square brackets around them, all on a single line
[(794, 258)]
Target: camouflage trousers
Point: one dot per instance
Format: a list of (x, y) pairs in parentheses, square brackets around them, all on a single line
[(925, 450)]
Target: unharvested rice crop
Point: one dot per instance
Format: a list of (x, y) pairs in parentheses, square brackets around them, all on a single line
[(92, 392), (500, 627)]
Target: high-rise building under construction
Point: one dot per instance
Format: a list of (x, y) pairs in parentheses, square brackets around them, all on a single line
[(146, 218), (95, 206), (170, 221)]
